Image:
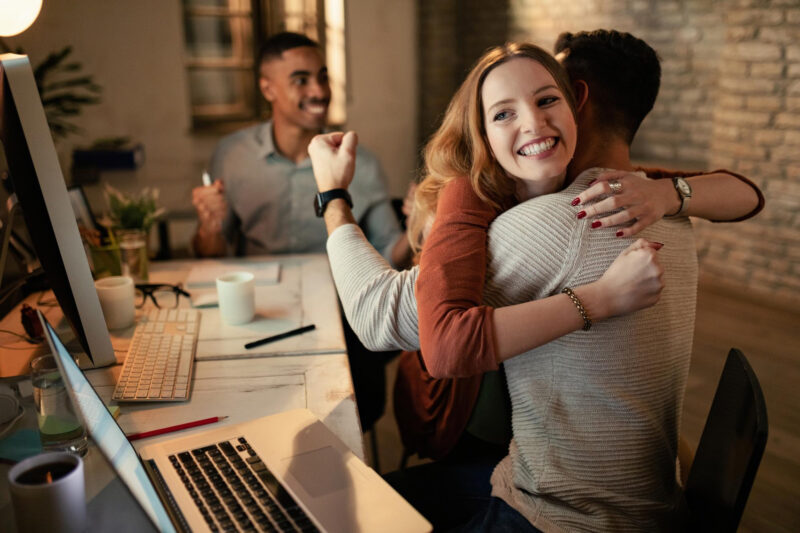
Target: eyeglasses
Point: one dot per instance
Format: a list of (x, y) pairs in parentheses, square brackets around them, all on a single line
[(164, 296)]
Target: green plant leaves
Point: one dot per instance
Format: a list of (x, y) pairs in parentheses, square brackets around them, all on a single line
[(133, 211), (63, 94)]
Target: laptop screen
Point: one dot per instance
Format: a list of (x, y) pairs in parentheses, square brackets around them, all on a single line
[(107, 435)]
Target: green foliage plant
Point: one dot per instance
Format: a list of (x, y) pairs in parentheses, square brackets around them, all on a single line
[(63, 89), (128, 212)]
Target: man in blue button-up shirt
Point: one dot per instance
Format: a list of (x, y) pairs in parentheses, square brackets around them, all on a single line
[(261, 199)]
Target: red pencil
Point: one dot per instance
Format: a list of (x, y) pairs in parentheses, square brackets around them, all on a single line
[(170, 429)]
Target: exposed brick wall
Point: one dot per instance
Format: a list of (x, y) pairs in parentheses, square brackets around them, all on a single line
[(453, 34), (438, 61), (756, 131), (730, 97)]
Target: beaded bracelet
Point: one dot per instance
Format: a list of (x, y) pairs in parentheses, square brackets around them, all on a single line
[(587, 322)]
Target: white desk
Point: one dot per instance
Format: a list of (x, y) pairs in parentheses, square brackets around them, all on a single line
[(309, 370), (304, 295)]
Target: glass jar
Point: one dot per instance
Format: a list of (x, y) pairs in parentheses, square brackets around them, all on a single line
[(133, 254), (60, 428)]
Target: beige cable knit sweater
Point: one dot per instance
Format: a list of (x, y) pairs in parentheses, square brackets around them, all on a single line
[(595, 415)]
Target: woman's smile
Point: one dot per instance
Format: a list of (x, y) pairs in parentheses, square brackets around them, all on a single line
[(539, 149), (529, 125)]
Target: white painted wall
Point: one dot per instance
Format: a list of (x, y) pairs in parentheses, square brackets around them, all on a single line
[(135, 52), (382, 95)]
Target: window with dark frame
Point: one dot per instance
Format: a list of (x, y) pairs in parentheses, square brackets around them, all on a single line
[(222, 38)]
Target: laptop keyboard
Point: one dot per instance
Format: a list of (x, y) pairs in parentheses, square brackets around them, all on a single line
[(235, 491)]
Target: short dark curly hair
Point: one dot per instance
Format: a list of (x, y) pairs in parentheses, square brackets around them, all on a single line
[(623, 73), (277, 44)]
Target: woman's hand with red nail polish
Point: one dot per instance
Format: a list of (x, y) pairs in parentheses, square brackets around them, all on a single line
[(640, 202)]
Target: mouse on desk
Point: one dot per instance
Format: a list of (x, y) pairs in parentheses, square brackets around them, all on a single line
[(31, 323)]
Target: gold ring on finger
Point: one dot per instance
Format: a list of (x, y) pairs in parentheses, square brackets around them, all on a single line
[(615, 186)]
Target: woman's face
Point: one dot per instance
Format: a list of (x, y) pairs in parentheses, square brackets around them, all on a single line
[(529, 124)]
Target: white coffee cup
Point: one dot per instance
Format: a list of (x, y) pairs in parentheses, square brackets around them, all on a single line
[(116, 295), (57, 505), (236, 293)]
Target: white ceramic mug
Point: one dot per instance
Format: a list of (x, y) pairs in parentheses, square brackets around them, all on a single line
[(236, 293), (116, 295), (54, 503)]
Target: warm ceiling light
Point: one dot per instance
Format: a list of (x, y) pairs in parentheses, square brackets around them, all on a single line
[(16, 16)]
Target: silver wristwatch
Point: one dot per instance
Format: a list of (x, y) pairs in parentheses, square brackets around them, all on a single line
[(684, 193)]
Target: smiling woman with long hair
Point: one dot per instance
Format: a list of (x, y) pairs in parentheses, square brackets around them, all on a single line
[(459, 149)]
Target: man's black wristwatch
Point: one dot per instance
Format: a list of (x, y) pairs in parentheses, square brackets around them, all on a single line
[(321, 199)]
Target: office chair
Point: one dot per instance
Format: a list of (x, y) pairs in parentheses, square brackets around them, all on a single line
[(368, 370), (729, 451), (397, 207)]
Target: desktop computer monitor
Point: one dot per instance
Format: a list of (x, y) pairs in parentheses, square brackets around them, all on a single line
[(41, 191)]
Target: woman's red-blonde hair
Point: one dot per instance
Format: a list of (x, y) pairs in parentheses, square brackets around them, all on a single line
[(460, 149)]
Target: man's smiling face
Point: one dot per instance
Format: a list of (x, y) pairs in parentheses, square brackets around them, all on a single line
[(296, 84)]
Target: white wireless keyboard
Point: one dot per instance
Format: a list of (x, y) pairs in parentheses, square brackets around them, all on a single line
[(160, 360)]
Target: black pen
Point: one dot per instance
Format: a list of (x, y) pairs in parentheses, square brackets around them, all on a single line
[(279, 336)]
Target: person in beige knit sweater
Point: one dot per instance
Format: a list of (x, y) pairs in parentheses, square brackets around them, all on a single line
[(561, 479)]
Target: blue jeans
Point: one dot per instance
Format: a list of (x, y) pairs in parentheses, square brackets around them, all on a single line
[(499, 517)]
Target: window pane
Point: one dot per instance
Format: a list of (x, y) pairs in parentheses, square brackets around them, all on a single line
[(335, 54), (230, 4), (209, 37), (205, 3), (215, 90), (301, 16)]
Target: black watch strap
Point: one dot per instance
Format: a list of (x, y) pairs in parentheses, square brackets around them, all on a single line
[(321, 199)]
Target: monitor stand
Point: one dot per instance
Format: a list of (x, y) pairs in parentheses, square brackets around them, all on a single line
[(75, 349)]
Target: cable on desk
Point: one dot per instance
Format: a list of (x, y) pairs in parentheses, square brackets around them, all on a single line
[(18, 348), (23, 337), (16, 408), (51, 302)]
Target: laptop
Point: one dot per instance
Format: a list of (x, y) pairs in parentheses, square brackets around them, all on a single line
[(284, 472)]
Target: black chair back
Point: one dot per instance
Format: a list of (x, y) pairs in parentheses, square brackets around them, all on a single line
[(729, 451)]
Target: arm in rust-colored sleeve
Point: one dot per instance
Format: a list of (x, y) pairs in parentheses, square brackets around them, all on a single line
[(456, 332), (658, 173)]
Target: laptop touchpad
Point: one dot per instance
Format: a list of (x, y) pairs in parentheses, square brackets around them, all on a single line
[(321, 471)]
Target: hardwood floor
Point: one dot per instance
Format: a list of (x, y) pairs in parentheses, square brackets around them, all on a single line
[(770, 339)]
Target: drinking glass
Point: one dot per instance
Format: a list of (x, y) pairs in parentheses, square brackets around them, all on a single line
[(133, 254), (60, 428)]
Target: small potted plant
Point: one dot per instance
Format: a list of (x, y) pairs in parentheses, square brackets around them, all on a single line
[(127, 224), (132, 212)]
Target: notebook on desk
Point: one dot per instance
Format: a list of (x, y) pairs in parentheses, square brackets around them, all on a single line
[(284, 472)]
